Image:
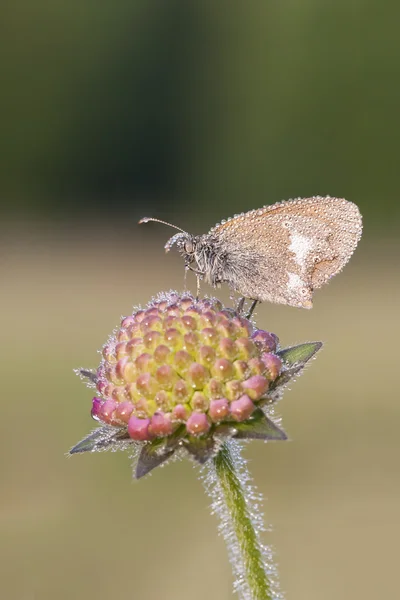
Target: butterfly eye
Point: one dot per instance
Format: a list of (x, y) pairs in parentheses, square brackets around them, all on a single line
[(189, 246)]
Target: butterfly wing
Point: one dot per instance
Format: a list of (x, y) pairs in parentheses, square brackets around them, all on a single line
[(282, 252)]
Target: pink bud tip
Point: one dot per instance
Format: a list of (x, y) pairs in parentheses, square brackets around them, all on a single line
[(165, 375), (101, 385), (161, 353), (191, 341), (106, 412), (173, 337), (173, 309), (189, 322), (243, 323), (209, 335), (181, 390), (245, 347), (119, 394), (242, 409), (140, 315), (108, 352), (197, 424), (273, 364), (228, 348), (215, 388), (199, 402), (161, 305), (120, 367), (120, 350), (255, 386), (132, 345), (182, 361), (146, 385), (122, 336), (267, 341), (222, 369), (162, 400), (241, 368), (127, 321), (171, 322), (143, 362), (186, 302), (160, 424), (151, 338), (181, 412), (149, 321), (198, 375), (219, 409), (207, 355), (96, 405), (123, 411), (233, 390), (138, 429), (208, 318), (108, 390), (256, 366)]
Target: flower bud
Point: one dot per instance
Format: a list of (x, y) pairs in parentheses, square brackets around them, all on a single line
[(183, 366)]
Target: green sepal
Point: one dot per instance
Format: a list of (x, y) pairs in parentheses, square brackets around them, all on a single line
[(157, 452), (258, 427), (299, 355), (294, 360), (103, 438), (201, 448), (88, 374), (151, 456)]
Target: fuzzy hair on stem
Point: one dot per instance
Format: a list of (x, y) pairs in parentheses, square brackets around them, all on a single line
[(238, 505)]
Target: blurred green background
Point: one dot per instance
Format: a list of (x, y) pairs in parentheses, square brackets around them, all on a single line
[(192, 111)]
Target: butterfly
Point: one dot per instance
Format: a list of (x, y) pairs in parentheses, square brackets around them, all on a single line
[(278, 253)]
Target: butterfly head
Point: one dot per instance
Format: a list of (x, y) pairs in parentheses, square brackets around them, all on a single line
[(187, 245)]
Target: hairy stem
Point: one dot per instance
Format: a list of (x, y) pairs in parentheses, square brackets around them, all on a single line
[(238, 507)]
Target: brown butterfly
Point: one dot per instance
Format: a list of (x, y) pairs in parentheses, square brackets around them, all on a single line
[(279, 253)]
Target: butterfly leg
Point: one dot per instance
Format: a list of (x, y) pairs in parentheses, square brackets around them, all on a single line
[(185, 279), (252, 307), (199, 275), (197, 286), (240, 305)]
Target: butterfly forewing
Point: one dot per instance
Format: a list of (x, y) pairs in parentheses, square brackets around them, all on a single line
[(286, 250)]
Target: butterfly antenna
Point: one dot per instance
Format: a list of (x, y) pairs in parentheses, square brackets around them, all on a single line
[(147, 219)]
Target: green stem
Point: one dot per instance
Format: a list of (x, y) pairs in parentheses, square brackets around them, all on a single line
[(235, 501)]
